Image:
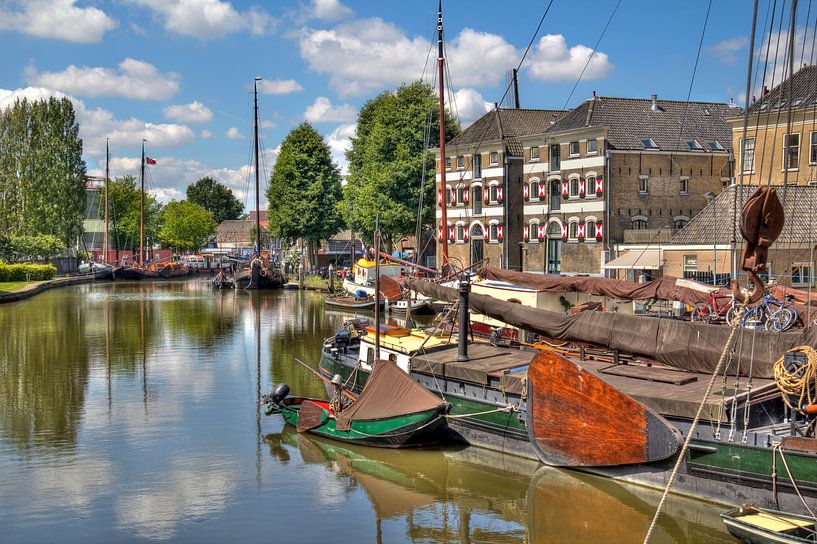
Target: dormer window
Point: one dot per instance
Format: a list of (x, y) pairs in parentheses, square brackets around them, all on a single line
[(797, 102), (714, 145), (763, 106), (781, 104), (649, 143), (694, 145)]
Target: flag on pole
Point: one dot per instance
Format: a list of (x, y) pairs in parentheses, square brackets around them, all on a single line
[(150, 161)]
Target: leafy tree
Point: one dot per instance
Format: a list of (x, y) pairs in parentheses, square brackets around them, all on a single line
[(186, 226), (42, 174), (304, 190), (386, 162), (216, 198), (24, 247), (123, 206)]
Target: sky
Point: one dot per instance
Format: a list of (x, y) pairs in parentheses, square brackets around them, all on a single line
[(179, 73)]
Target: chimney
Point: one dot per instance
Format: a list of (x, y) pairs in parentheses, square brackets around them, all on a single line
[(764, 91), (654, 106)]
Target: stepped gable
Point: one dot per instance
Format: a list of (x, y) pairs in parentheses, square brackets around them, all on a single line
[(798, 205), (629, 120), (504, 123), (803, 91)]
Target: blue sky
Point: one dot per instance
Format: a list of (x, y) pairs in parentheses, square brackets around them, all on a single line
[(179, 72)]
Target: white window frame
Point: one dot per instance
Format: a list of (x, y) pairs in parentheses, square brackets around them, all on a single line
[(590, 236), (533, 196), (578, 148), (536, 158), (448, 164), (533, 233), (743, 161), (684, 190), (595, 146), (812, 152), (459, 232), (690, 263), (590, 190), (492, 233), (643, 185), (460, 162), (573, 230), (786, 148), (459, 195), (493, 187), (493, 158), (570, 181), (808, 275)]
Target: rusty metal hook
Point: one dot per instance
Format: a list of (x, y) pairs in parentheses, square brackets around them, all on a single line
[(754, 295)]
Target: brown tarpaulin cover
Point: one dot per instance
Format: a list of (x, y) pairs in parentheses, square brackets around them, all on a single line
[(667, 288), (389, 392), (390, 289), (681, 344)]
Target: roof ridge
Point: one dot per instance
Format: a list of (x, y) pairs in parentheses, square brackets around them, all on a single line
[(662, 100)]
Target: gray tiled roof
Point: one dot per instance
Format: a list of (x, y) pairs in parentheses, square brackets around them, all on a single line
[(803, 86), (510, 123), (631, 119), (799, 203), (234, 230)]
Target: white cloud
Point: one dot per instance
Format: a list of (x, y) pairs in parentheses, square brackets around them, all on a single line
[(233, 134), (727, 50), (470, 106), (279, 86), (205, 134), (777, 68), (470, 51), (330, 10), (133, 79), (194, 112), (553, 60), (322, 111), (339, 141), (364, 55), (58, 19), (266, 123), (206, 19)]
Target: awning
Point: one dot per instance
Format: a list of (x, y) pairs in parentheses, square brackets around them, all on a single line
[(647, 259)]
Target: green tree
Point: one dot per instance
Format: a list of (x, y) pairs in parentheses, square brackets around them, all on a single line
[(186, 226), (123, 206), (386, 162), (42, 174), (216, 198), (304, 190)]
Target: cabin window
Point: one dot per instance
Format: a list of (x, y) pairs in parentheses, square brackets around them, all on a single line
[(591, 147), (534, 154), (393, 358), (370, 356), (791, 151), (801, 274), (477, 162), (574, 149)]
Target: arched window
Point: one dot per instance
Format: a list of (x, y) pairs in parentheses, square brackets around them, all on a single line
[(590, 230), (679, 222), (461, 198), (477, 200), (493, 194), (460, 233), (477, 233), (573, 230), (640, 224), (533, 231), (574, 188), (533, 190), (590, 183), (493, 233)]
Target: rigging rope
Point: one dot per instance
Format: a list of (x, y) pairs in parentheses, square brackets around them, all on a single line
[(800, 382)]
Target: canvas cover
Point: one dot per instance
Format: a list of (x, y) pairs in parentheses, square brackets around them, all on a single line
[(389, 392), (681, 344), (667, 288)]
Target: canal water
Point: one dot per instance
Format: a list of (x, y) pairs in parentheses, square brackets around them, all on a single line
[(129, 413)]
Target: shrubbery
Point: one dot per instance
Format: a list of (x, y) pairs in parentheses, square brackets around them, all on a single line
[(24, 272)]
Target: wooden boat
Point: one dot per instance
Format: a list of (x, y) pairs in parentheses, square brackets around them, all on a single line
[(137, 273), (99, 271), (392, 411), (762, 526), (349, 303), (169, 269)]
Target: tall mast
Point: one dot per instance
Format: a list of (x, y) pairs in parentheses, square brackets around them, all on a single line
[(107, 178), (142, 209), (257, 202), (443, 186)]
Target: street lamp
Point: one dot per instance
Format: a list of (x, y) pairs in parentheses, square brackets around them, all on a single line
[(710, 198)]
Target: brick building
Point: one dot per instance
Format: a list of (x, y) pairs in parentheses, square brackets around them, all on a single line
[(559, 190)]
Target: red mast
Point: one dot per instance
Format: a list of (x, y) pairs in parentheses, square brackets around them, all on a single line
[(443, 186)]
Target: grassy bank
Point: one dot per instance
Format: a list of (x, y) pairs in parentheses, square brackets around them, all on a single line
[(12, 286), (316, 282)]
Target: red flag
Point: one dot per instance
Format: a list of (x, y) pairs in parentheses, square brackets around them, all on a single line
[(150, 161)]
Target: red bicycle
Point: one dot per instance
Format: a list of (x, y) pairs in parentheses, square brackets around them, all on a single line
[(719, 307)]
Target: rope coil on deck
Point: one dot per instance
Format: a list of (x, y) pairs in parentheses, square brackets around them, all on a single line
[(800, 382)]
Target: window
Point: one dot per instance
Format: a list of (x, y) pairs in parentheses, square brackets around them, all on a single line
[(694, 145), (591, 146), (791, 151), (493, 194), (460, 233), (643, 185), (555, 194), (554, 249), (748, 162), (590, 231), (533, 191), (370, 356), (476, 160), (797, 102), (648, 143), (460, 162), (573, 230), (448, 164), (640, 224), (590, 184), (763, 106), (574, 149), (812, 156), (493, 233), (493, 157), (574, 188), (684, 186), (678, 224), (461, 198), (555, 157), (690, 263), (714, 145), (477, 200), (801, 274), (534, 153), (781, 104), (533, 232)]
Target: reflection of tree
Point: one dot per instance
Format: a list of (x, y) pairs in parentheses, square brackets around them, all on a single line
[(300, 327), (43, 370)]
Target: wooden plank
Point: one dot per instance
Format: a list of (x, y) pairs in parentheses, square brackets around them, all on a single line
[(799, 443), (650, 374), (576, 419)]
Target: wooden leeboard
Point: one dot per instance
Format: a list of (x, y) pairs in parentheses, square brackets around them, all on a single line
[(577, 419), (310, 416)]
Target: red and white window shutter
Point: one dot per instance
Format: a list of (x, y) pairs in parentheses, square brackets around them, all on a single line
[(540, 232), (565, 188), (599, 230), (439, 197), (499, 194), (542, 190), (452, 233), (499, 232), (599, 186), (526, 232), (564, 232), (525, 191), (580, 230), (582, 187)]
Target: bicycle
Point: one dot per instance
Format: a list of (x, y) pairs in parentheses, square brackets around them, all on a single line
[(775, 315), (718, 306)]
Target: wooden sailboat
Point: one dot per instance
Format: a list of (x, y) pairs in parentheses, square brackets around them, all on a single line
[(139, 271), (101, 270), (259, 275)]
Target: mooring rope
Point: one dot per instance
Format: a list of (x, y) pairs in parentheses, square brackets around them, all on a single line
[(682, 453), (779, 448), (801, 382)]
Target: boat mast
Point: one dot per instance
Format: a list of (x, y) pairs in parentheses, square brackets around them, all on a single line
[(443, 186), (377, 290), (255, 136), (142, 209), (107, 178)]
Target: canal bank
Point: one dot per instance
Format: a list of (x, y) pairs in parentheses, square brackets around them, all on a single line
[(37, 287)]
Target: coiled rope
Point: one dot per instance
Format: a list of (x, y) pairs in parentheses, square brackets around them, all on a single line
[(800, 382)]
